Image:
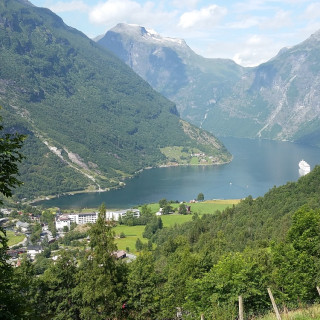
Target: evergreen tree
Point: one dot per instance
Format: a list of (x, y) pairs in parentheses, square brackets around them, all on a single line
[(101, 277), (59, 282), (143, 288), (10, 144), (200, 197), (9, 159)]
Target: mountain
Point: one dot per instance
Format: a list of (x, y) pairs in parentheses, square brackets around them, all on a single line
[(194, 83), (91, 121), (275, 100)]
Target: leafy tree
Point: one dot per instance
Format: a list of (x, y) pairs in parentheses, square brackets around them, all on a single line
[(29, 287), (200, 197), (162, 202), (10, 157), (167, 209), (298, 258), (59, 281), (47, 217), (139, 244), (152, 227), (36, 232), (182, 209), (143, 288), (52, 228), (101, 293)]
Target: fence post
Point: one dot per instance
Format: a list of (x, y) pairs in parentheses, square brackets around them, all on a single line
[(318, 289), (275, 308), (240, 308), (202, 317)]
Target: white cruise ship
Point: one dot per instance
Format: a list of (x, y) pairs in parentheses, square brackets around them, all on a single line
[(304, 168)]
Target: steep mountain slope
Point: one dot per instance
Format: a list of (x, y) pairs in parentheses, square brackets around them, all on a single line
[(194, 83), (90, 119), (276, 100)]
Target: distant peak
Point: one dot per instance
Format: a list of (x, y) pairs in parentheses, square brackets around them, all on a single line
[(129, 28), (146, 34)]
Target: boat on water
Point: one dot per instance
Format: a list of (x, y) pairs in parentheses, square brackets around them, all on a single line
[(304, 167)]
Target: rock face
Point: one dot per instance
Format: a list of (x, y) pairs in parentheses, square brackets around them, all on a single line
[(194, 83), (276, 100)]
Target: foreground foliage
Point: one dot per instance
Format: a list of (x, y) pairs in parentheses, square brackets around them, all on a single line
[(197, 267)]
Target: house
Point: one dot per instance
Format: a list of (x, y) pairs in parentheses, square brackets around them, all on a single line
[(13, 254), (83, 218), (116, 215), (159, 213), (5, 211), (32, 251), (34, 218), (23, 226), (63, 221), (120, 254)]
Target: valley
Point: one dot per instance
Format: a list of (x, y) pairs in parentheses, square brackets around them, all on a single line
[(169, 182)]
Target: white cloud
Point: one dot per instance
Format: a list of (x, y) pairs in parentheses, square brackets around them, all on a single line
[(312, 11), (254, 40), (205, 17), (75, 5), (185, 3), (245, 23), (111, 12), (281, 19), (256, 50)]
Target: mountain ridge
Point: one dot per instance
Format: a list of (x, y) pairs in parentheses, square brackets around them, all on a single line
[(230, 100)]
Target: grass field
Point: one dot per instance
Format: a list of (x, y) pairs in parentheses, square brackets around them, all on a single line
[(312, 313), (132, 234), (135, 232), (13, 239), (204, 207)]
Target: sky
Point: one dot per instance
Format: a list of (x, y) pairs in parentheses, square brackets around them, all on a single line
[(249, 32)]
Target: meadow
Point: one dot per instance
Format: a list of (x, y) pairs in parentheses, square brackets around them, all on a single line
[(14, 239), (132, 233), (311, 313)]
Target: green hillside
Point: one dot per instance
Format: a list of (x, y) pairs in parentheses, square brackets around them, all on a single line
[(91, 121), (199, 268)]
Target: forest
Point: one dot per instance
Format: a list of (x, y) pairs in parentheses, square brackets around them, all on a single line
[(197, 268)]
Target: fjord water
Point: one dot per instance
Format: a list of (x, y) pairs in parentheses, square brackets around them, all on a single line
[(257, 166)]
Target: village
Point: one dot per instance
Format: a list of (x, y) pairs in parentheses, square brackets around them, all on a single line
[(40, 236)]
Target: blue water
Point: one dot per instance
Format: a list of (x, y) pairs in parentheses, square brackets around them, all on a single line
[(257, 166)]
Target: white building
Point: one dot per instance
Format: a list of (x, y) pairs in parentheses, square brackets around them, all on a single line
[(5, 211), (116, 215), (63, 221), (24, 226), (83, 218), (32, 251)]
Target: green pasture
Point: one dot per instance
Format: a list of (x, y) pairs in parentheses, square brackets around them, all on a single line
[(204, 207), (14, 239), (132, 233)]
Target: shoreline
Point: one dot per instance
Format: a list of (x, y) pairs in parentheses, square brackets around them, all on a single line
[(121, 184)]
